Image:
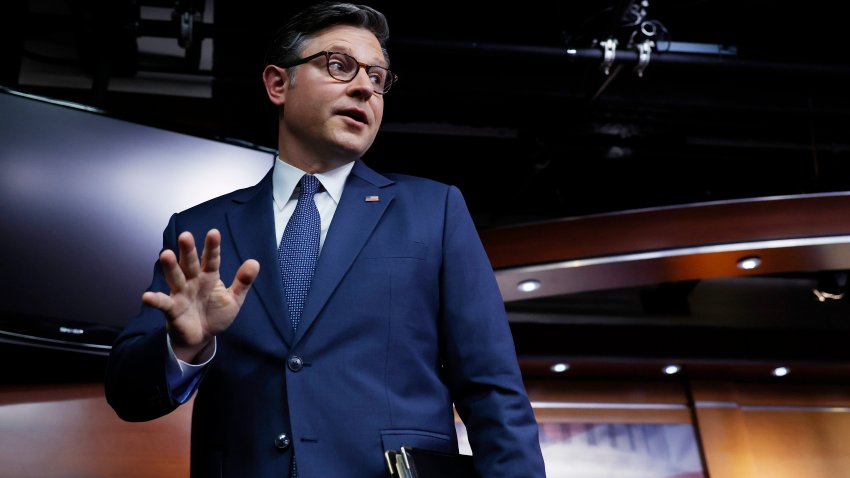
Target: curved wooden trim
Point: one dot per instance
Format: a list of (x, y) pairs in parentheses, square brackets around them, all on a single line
[(748, 220)]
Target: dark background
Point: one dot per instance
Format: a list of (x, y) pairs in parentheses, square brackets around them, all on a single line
[(491, 100)]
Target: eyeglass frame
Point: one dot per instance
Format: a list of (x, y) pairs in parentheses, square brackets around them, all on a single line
[(327, 54)]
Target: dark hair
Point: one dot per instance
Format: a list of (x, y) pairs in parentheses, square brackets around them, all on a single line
[(289, 40)]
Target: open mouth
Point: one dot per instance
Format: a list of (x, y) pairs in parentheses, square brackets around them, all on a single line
[(355, 114)]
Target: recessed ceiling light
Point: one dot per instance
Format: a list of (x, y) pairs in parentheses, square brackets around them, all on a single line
[(781, 371), (560, 367), (529, 285), (749, 263), (672, 369)]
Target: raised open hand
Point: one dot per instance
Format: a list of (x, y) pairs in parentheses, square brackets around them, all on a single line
[(200, 306)]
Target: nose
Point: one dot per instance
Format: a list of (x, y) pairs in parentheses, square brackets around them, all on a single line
[(361, 86)]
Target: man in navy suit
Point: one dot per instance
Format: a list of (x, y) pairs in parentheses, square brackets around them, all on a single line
[(403, 318)]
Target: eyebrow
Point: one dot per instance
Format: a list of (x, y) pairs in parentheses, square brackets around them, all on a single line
[(347, 51)]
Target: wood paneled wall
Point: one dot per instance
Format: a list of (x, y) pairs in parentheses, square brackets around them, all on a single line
[(747, 430), (69, 431), (774, 431)]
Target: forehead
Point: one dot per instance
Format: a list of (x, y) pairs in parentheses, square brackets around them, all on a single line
[(356, 41)]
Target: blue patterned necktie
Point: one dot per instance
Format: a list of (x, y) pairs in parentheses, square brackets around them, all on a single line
[(297, 255), (299, 249)]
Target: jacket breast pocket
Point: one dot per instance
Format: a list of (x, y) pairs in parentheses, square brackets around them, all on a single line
[(395, 250)]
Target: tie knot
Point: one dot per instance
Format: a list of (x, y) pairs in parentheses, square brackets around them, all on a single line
[(309, 185)]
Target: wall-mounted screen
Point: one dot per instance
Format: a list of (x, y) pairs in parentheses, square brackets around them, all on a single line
[(84, 198)]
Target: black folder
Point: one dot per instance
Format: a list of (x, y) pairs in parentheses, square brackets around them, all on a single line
[(411, 462)]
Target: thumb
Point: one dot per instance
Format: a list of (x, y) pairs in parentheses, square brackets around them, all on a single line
[(245, 276)]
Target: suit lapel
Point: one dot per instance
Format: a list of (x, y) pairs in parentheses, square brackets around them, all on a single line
[(252, 229), (364, 200)]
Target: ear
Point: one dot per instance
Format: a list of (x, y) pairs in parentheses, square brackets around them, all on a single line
[(276, 80)]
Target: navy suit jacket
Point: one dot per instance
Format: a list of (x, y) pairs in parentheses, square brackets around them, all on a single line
[(403, 319)]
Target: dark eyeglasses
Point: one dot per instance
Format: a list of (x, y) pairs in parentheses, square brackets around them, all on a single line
[(344, 67)]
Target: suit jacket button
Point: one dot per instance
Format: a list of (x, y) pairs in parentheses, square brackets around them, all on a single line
[(295, 363), (281, 442)]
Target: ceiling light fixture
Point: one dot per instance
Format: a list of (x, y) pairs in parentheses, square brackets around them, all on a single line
[(780, 371), (672, 369), (823, 296), (831, 286), (529, 285), (560, 367), (749, 263)]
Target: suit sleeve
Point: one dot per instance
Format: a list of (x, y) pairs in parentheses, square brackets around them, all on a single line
[(480, 357), (136, 383)]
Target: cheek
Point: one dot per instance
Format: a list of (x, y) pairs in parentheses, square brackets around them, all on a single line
[(309, 112), (379, 114)]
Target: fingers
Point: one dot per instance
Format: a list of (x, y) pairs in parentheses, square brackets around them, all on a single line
[(188, 255), (181, 274), (211, 258), (173, 273), (178, 272), (245, 276), (158, 300)]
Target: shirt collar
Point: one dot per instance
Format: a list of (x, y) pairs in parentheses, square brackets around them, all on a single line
[(285, 178)]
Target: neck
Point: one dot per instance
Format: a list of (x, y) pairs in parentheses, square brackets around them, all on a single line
[(310, 160)]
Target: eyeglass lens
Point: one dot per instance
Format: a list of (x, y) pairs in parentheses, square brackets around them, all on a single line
[(345, 68)]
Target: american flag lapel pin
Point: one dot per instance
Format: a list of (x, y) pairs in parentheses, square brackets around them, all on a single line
[(372, 198)]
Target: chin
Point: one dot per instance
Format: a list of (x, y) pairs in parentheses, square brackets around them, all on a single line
[(354, 148)]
